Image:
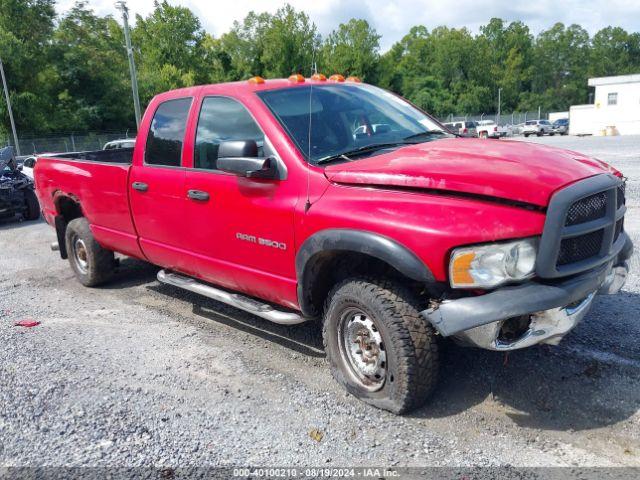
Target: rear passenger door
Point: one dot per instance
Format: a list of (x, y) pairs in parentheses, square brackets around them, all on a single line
[(156, 186)]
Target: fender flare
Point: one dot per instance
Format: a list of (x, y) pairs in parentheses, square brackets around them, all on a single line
[(378, 246)]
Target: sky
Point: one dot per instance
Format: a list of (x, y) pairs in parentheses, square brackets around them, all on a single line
[(393, 18)]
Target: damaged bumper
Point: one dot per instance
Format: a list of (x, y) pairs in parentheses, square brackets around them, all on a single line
[(520, 316)]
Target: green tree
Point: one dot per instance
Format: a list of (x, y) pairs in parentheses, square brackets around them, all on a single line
[(26, 28), (561, 61), (290, 43), (614, 52), (352, 49), (93, 86), (170, 42)]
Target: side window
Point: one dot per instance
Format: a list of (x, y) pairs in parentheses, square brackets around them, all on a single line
[(164, 143), (222, 119)]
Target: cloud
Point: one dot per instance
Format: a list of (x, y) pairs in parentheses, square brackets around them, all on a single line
[(393, 18)]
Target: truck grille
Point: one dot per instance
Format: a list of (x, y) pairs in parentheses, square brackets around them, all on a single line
[(583, 227), (587, 209), (580, 248)]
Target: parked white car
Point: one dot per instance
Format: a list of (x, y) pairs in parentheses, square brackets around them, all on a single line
[(122, 143), (489, 129), (537, 127), (27, 166)]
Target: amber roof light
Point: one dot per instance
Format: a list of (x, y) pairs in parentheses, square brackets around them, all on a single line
[(354, 79), (296, 78), (336, 77), (318, 77), (257, 80)]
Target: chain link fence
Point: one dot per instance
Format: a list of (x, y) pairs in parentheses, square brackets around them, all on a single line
[(513, 118), (67, 142)]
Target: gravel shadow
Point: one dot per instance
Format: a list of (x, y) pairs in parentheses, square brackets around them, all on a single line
[(11, 223)]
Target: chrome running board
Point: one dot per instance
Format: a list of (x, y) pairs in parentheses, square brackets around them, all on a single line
[(247, 304)]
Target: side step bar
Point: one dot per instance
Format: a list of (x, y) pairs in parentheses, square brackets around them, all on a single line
[(247, 304)]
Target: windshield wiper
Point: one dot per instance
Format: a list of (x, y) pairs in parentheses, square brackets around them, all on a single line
[(356, 151), (426, 133)]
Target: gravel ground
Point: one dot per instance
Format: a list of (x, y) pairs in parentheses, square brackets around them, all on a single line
[(142, 374)]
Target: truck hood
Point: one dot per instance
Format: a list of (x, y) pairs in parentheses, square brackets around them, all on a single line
[(517, 171)]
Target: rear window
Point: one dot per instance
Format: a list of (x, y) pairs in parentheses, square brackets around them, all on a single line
[(164, 143)]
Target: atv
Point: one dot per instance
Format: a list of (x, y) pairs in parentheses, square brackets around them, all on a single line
[(17, 196)]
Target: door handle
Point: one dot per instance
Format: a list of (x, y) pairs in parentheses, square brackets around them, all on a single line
[(198, 195), (140, 186)]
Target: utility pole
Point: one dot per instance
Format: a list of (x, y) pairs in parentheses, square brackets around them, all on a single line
[(6, 94), (122, 6), (499, 104)]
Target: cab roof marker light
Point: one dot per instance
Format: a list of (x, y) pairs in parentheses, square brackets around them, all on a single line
[(257, 80), (336, 77), (353, 79), (296, 78), (318, 77)]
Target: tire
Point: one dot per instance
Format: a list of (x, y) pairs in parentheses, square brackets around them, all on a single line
[(526, 135), (405, 351), (539, 134), (551, 134), (92, 264), (484, 135), (33, 207)]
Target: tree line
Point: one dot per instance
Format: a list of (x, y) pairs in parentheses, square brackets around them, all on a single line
[(69, 73)]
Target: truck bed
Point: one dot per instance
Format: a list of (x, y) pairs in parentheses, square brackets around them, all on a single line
[(120, 155), (101, 180)]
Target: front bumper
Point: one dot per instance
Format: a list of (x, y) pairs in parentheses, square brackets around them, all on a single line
[(523, 315)]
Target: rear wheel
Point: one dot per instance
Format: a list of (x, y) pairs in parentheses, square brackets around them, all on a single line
[(378, 346), (92, 264), (540, 133), (33, 207), (526, 135)]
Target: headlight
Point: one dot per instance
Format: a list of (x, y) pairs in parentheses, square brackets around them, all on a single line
[(490, 265)]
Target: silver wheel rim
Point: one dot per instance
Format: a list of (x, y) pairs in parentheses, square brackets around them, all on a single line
[(80, 255), (362, 349)]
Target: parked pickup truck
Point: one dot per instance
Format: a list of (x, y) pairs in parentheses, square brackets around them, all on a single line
[(489, 129), (260, 195)]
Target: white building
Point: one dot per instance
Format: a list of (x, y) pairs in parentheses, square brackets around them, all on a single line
[(615, 109)]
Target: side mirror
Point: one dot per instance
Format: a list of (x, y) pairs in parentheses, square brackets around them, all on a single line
[(240, 157), (20, 167), (238, 148), (250, 167)]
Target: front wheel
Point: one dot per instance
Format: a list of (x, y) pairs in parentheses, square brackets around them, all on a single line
[(526, 135), (378, 346), (92, 264)]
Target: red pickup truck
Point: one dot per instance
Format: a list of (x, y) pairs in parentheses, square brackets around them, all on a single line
[(339, 202)]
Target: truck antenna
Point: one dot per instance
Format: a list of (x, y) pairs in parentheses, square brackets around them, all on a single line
[(314, 69)]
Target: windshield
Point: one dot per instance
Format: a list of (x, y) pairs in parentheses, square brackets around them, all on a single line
[(344, 118)]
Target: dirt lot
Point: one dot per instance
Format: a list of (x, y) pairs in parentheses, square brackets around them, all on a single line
[(139, 373)]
